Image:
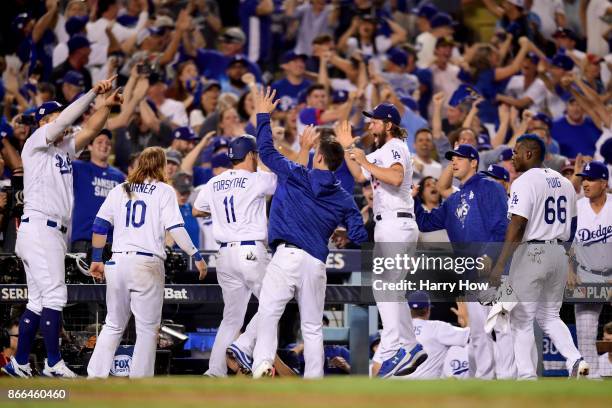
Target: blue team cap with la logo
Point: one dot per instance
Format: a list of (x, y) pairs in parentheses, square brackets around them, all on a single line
[(595, 170), (465, 150), (497, 172), (47, 108), (419, 300), (385, 111), (185, 133)]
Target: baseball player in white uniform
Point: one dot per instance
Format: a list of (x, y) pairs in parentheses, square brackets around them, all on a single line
[(236, 201), (542, 206), (390, 170), (140, 211), (592, 259), (41, 240), (437, 338)]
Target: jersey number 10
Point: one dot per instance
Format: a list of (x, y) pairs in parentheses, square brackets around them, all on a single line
[(550, 214), (133, 213), (229, 208)]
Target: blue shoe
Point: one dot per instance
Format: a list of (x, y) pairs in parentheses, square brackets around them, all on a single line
[(240, 358), (413, 360), (390, 366), (17, 370)]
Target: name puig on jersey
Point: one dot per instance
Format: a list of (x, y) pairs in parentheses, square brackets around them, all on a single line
[(553, 182), (102, 186)]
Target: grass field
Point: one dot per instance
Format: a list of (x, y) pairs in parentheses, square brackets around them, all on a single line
[(353, 392)]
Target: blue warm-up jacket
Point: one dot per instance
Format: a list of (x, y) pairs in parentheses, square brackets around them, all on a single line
[(308, 205), (477, 213)]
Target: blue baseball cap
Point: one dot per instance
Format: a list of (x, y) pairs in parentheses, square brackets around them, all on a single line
[(542, 117), (385, 111), (562, 61), (462, 93), (419, 300), (77, 42), (497, 172), (565, 32), (339, 96), (106, 133), (76, 24), (46, 109), (441, 20), (533, 57), (19, 22), (237, 59), (484, 142), (595, 170), (74, 78), (292, 55), (241, 146), (6, 130), (220, 143), (397, 57), (506, 154), (427, 11), (221, 160), (606, 151), (465, 150), (185, 133)]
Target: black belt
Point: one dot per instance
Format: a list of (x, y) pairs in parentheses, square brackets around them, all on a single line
[(399, 215), (539, 241), (50, 223), (242, 243), (604, 273), (288, 245), (135, 252)]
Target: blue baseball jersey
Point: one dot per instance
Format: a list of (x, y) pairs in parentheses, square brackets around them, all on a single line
[(477, 213), (91, 187), (287, 92), (574, 139), (212, 65)]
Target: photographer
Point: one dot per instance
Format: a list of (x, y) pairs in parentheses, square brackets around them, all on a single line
[(11, 196)]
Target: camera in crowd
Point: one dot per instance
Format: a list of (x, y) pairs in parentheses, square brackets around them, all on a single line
[(175, 264)]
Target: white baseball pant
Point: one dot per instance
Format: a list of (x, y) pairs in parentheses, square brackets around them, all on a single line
[(397, 330), (134, 284), (292, 273), (240, 272), (488, 358), (538, 274), (587, 321), (43, 250), (481, 347)]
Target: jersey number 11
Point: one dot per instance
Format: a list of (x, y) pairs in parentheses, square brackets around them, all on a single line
[(231, 208)]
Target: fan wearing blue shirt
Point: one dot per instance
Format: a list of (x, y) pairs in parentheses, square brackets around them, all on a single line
[(257, 24), (93, 180), (575, 132), (294, 82), (212, 63)]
